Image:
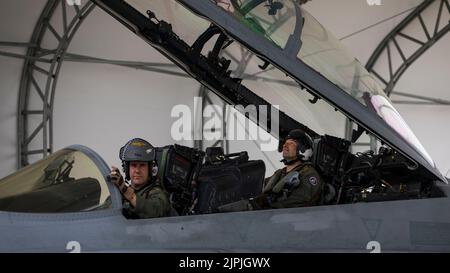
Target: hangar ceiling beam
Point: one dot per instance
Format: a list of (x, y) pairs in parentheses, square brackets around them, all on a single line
[(399, 49), (40, 75), (399, 42), (419, 99), (41, 67)]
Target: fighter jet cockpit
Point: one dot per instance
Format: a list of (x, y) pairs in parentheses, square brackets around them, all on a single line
[(66, 181), (279, 70), (274, 53), (254, 53)]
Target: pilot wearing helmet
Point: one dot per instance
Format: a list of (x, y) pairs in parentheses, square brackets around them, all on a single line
[(144, 197), (298, 184)]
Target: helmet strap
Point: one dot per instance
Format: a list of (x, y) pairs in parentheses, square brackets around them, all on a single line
[(126, 170), (289, 162)]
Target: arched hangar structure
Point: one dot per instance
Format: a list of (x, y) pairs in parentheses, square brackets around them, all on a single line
[(42, 65)]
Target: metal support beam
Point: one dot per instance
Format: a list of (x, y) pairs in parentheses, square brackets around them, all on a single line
[(48, 75), (424, 99), (393, 38), (55, 57), (28, 131), (391, 45), (207, 99), (16, 44), (152, 67)]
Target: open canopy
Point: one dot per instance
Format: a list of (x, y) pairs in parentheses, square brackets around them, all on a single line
[(281, 34), (70, 180)]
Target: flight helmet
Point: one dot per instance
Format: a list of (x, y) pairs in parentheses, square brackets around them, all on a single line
[(138, 149), (304, 144)]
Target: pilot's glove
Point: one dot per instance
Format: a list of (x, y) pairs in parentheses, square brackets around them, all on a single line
[(116, 178), (261, 201)]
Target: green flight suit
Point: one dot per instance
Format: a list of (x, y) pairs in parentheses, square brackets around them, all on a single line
[(306, 192), (151, 201)]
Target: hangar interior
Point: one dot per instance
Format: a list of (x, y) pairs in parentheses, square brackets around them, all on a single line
[(71, 74)]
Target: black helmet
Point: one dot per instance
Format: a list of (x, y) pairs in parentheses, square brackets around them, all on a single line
[(304, 144), (138, 149)]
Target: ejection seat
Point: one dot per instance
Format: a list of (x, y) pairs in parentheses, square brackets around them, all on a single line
[(197, 188), (227, 178), (330, 159)]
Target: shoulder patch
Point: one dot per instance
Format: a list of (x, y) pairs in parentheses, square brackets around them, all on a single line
[(313, 180)]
